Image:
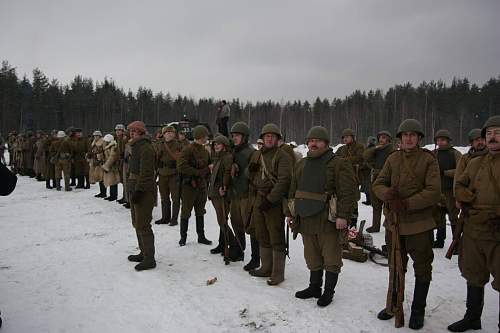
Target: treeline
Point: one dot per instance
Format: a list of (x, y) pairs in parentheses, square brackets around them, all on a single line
[(43, 103)]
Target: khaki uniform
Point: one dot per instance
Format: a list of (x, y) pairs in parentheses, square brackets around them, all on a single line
[(39, 163), (415, 175), (220, 177), (96, 160), (110, 167), (316, 179), (49, 158), (63, 154), (353, 153), (80, 149), (167, 154), (478, 187)]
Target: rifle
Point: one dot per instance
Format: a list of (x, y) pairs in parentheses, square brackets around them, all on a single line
[(457, 235), (395, 294), (287, 241), (226, 233)]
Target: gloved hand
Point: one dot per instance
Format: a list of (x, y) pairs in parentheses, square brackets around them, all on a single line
[(137, 197), (398, 205), (265, 205), (391, 194), (253, 167)]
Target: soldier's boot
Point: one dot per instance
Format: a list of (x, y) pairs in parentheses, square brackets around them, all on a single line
[(265, 270), (384, 315), (326, 298), (255, 261), (472, 318), (80, 181), (47, 184), (67, 186), (354, 222), (418, 305), (315, 284), (278, 273), (73, 181), (58, 184), (39, 177), (113, 193), (440, 237), (376, 217), (184, 230), (235, 248), (102, 191), (122, 200), (200, 230), (220, 246), (176, 206), (87, 182), (137, 257), (163, 219), (148, 261), (456, 250)]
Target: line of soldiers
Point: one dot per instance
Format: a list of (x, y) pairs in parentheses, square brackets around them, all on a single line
[(263, 192)]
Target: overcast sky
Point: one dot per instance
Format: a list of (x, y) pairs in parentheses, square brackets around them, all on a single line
[(254, 50)]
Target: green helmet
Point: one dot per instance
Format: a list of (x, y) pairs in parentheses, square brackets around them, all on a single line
[(318, 132), (168, 129), (348, 132), (241, 127), (474, 134), (410, 125), (223, 140), (384, 132), (371, 141), (492, 121), (270, 128), (442, 133), (199, 132)]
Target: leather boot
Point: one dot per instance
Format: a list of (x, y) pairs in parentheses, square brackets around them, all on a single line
[(472, 318), (163, 219), (376, 217), (440, 237), (73, 181), (58, 184), (87, 182), (47, 184), (255, 261), (200, 230), (67, 186), (148, 261), (184, 230), (220, 247), (102, 191), (265, 270), (315, 284), (113, 193), (330, 283), (137, 257), (278, 273), (176, 206), (418, 305), (80, 182)]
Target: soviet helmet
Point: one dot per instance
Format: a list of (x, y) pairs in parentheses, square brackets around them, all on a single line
[(410, 125), (270, 128)]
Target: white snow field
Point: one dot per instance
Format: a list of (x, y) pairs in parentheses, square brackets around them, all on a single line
[(64, 268)]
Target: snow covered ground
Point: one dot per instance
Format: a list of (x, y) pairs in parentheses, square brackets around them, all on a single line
[(64, 268)]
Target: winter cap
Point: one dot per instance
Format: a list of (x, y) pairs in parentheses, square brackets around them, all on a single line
[(97, 133), (61, 134), (137, 126), (108, 138)]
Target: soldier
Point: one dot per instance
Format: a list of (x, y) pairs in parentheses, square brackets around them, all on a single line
[(260, 143), (270, 174), (447, 157), (62, 152), (167, 154), (28, 154), (121, 140), (409, 185), (478, 191), (126, 159), (242, 151), (218, 193), (375, 158), (49, 160), (182, 139), (142, 194), (39, 156), (353, 152), (317, 179), (222, 118), (288, 148), (477, 148), (80, 149), (365, 172), (193, 167), (10, 143), (111, 176), (96, 161)]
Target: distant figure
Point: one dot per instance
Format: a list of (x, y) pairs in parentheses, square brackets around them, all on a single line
[(223, 113)]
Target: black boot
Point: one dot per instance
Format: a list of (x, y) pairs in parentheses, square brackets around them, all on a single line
[(200, 230), (163, 219), (176, 206), (113, 193), (472, 318), (73, 181), (58, 184), (235, 249), (440, 237), (148, 262), (254, 263), (80, 181), (384, 315), (184, 230), (330, 283), (220, 247), (47, 184), (353, 223), (102, 191), (418, 305), (87, 182), (314, 289), (137, 257), (126, 205)]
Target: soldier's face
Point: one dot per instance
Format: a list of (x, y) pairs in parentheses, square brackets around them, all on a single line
[(237, 138), (347, 139), (442, 142), (182, 136), (134, 133), (202, 141), (493, 139), (270, 140), (316, 144), (119, 133), (169, 136), (409, 140), (384, 139), (78, 134), (218, 147), (478, 144)]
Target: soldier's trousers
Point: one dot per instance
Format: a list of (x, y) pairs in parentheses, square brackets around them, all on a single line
[(269, 226), (447, 207), (479, 259), (125, 183), (169, 187), (323, 251), (141, 214), (63, 166), (239, 215), (193, 197), (81, 168), (419, 248), (221, 206), (377, 204)]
